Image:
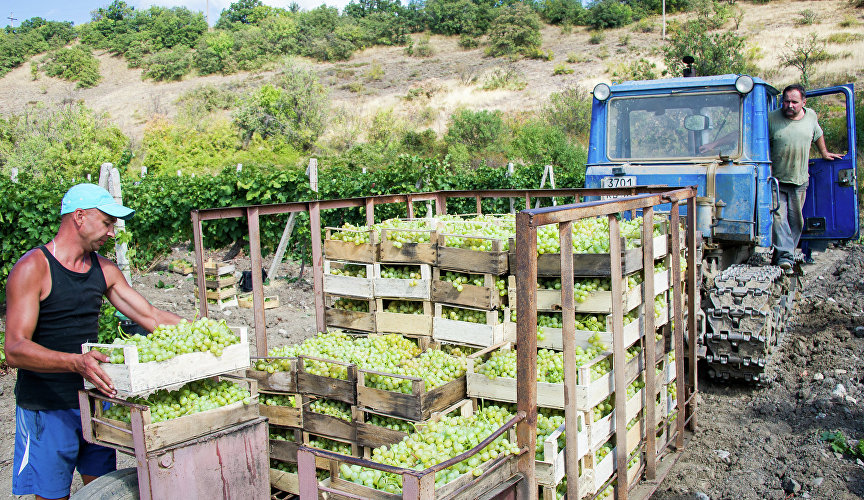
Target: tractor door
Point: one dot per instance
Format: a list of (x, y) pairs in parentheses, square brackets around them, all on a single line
[(831, 208)]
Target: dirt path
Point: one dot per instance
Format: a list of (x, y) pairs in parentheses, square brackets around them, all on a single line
[(752, 443)]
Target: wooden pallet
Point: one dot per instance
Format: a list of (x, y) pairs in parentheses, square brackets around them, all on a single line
[(327, 387), (353, 286), (350, 320), (410, 252), (419, 405), (119, 435), (326, 425), (284, 416), (280, 381), (477, 297), (394, 288), (133, 378), (407, 324), (347, 251), (466, 333), (472, 261)]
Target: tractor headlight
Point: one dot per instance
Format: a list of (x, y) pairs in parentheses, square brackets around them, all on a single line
[(601, 92), (744, 84)]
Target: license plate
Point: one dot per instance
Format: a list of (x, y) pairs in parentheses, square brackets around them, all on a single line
[(618, 181)]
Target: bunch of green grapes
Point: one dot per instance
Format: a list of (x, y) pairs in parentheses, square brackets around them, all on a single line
[(351, 233), (548, 421), (283, 466), (634, 387), (435, 443), (281, 434), (323, 443), (412, 231), (460, 279), (401, 272), (317, 346), (391, 423), (404, 307), (460, 314), (672, 390), (346, 304), (659, 305), (435, 367), (353, 270), (601, 452), (194, 397), (337, 409), (632, 351), (167, 341), (460, 351), (268, 399), (582, 288), (550, 364), (478, 236), (604, 408)]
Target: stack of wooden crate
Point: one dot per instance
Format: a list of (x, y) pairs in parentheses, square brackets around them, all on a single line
[(348, 294), (221, 284)]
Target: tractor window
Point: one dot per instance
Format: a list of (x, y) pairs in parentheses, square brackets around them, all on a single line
[(674, 126), (831, 109)]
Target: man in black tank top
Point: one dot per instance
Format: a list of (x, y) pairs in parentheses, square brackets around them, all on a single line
[(53, 297)]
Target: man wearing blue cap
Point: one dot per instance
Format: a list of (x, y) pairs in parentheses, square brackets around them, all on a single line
[(53, 297)]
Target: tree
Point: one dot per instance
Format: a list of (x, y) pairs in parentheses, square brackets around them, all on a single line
[(516, 29), (803, 53), (716, 53), (243, 12), (609, 14), (476, 130)]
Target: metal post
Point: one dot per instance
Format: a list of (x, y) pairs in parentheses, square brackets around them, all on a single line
[(257, 281), (677, 330), (650, 344), (200, 281), (526, 359), (619, 356), (572, 452), (692, 290), (317, 264)]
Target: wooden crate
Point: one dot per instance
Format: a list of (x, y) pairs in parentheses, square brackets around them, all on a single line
[(593, 264), (284, 416), (324, 463), (410, 252), (598, 302), (326, 425), (132, 378), (373, 436), (464, 332), (477, 297), (245, 301), (327, 387), (181, 267), (472, 261), (347, 251), (350, 320), (353, 286), (220, 294), (215, 269), (286, 451), (407, 324), (280, 381), (550, 469), (219, 282), (119, 435), (603, 471), (395, 288), (419, 405), (285, 481)]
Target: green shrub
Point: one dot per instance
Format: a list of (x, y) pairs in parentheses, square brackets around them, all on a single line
[(76, 64), (596, 38), (507, 78), (609, 14), (477, 130), (213, 53), (645, 25), (641, 69), (168, 65), (454, 17), (31, 37), (716, 53), (570, 111), (560, 69), (538, 53), (516, 29), (844, 37), (849, 21), (562, 12), (539, 143), (806, 17), (467, 41), (422, 143)]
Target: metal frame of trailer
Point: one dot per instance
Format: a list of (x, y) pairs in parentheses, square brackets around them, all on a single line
[(638, 198)]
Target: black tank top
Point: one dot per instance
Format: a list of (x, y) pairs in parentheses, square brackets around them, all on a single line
[(68, 317)]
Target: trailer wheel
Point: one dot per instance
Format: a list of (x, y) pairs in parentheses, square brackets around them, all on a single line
[(118, 485)]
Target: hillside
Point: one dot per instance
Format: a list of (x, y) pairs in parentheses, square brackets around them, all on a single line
[(380, 78)]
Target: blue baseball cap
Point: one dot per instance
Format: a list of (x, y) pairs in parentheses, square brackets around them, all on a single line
[(85, 196)]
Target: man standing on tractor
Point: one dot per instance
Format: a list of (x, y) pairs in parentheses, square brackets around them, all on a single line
[(792, 129), (53, 298)]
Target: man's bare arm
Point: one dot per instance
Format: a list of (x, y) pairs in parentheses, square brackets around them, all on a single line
[(823, 150), (130, 302), (23, 290)]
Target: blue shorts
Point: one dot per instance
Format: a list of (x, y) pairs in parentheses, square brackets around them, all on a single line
[(49, 446)]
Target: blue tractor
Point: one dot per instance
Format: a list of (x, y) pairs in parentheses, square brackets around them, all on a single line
[(658, 132)]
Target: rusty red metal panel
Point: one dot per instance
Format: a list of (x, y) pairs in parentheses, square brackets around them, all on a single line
[(409, 201), (145, 484), (648, 333), (619, 356), (677, 330), (692, 298), (526, 340), (572, 452), (370, 211), (306, 473), (257, 282), (198, 241)]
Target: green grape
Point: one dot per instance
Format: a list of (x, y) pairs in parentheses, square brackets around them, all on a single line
[(332, 408), (406, 231), (281, 434), (351, 233), (548, 422), (346, 304), (391, 423), (354, 270), (478, 235), (168, 341), (550, 364), (591, 235), (278, 400), (323, 443), (407, 272), (434, 367), (404, 306), (194, 397)]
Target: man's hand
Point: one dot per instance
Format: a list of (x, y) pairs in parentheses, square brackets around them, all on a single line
[(87, 365), (831, 156)]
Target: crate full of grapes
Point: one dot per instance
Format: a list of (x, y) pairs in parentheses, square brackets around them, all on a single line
[(351, 243), (350, 314), (173, 355), (409, 241), (284, 442), (348, 278), (375, 429), (327, 378), (329, 418), (167, 418), (416, 388), (475, 247), (550, 455), (405, 281), (479, 291), (405, 316), (283, 477), (463, 325), (281, 409), (274, 373)]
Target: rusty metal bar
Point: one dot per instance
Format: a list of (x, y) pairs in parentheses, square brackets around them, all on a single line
[(410, 205), (200, 281), (692, 290), (306, 473), (257, 282), (650, 344), (568, 318), (136, 420), (526, 342), (678, 316), (317, 264), (440, 204), (552, 215), (479, 200), (619, 355), (370, 212)]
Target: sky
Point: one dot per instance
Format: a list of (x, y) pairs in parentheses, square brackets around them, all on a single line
[(78, 11)]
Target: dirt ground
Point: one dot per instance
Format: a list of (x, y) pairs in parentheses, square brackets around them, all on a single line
[(751, 443)]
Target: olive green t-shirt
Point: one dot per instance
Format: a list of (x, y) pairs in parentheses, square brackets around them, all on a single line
[(790, 145)]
